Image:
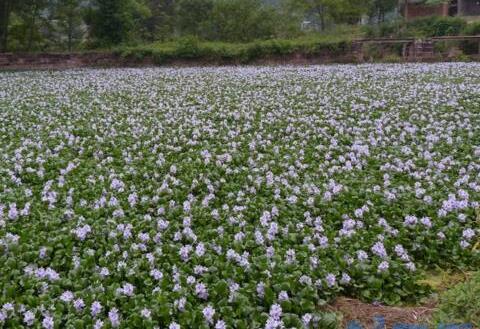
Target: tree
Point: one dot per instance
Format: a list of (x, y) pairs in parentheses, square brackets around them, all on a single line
[(332, 11), (320, 9), (30, 21), (379, 8), (193, 16), (6, 7), (349, 11), (161, 23), (116, 21), (68, 14), (241, 20)]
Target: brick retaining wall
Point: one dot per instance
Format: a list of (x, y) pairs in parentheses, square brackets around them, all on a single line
[(106, 59), (356, 54), (60, 60), (414, 10)]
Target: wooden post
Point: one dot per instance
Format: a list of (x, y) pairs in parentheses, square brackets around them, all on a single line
[(445, 8), (358, 51)]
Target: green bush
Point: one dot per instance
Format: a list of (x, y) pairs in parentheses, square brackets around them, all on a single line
[(384, 53), (384, 30), (188, 47), (193, 48), (470, 47), (472, 29), (460, 304), (433, 26), (392, 58)]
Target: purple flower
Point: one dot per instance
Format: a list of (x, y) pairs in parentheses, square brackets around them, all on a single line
[(306, 319), (156, 274), (379, 250), (383, 267), (28, 318), (95, 308), (410, 266), (114, 317), (126, 290), (468, 234), (174, 325), (67, 296), (345, 278), (275, 312), (331, 280), (78, 304), (47, 322), (13, 212), (201, 290), (81, 232), (410, 221), (426, 221), (98, 324), (220, 325), (146, 313), (362, 255), (117, 185), (283, 296), (208, 313)]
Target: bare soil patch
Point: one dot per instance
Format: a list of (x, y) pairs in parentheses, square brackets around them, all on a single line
[(354, 309)]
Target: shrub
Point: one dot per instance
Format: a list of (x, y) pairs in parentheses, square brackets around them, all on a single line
[(435, 26), (472, 29), (386, 29), (392, 58), (471, 47), (188, 47), (432, 26), (445, 46), (193, 48), (384, 53)]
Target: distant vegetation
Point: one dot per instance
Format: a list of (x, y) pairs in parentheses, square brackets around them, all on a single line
[(239, 30), (41, 25)]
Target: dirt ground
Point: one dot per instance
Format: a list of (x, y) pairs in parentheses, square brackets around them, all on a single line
[(353, 309)]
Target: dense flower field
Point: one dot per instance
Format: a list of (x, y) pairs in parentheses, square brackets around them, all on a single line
[(231, 197)]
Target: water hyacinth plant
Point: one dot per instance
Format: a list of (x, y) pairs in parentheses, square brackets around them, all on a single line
[(231, 197)]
